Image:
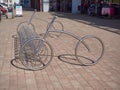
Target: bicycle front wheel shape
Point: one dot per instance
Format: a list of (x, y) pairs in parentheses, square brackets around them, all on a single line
[(89, 50)]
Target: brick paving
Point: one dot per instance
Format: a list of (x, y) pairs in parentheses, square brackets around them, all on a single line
[(59, 75)]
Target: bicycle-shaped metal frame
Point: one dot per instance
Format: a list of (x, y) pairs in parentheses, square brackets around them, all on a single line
[(36, 53)]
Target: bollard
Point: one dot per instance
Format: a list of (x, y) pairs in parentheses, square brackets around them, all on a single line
[(10, 12)]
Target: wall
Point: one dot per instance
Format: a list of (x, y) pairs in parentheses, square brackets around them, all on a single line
[(45, 5), (75, 4), (1, 1), (16, 1)]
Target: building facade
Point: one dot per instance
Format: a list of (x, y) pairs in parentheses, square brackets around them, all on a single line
[(56, 5), (48, 5), (65, 5)]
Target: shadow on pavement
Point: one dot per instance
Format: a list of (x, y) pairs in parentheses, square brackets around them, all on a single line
[(28, 9), (109, 24)]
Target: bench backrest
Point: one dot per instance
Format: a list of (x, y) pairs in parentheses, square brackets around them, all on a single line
[(26, 34)]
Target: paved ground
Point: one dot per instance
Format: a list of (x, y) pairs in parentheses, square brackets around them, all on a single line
[(59, 75)]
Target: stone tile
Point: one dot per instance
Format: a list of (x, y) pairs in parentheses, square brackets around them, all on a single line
[(60, 75)]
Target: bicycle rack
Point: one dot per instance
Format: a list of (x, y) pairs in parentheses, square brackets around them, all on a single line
[(33, 52)]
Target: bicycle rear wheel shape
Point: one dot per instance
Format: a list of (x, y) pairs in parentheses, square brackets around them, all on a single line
[(92, 54), (36, 58)]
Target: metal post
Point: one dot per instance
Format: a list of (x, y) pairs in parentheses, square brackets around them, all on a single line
[(8, 3), (41, 5), (0, 14), (35, 5)]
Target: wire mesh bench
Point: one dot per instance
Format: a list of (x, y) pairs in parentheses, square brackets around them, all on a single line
[(33, 52)]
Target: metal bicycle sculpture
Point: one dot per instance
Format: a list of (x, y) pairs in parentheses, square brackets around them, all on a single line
[(33, 52)]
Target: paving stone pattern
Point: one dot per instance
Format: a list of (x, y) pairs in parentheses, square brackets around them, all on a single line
[(59, 75)]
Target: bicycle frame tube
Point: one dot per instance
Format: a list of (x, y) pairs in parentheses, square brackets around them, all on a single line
[(71, 34), (48, 27), (29, 21)]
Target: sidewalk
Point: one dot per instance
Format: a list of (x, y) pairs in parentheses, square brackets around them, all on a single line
[(60, 75), (109, 24)]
